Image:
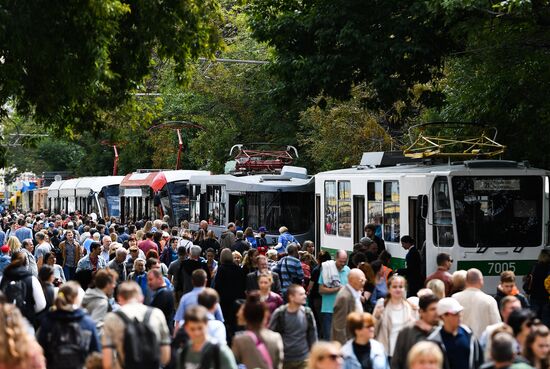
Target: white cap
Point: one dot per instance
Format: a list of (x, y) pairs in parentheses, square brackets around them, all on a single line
[(448, 305)]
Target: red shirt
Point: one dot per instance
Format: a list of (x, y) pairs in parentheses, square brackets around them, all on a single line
[(445, 277), (147, 245)]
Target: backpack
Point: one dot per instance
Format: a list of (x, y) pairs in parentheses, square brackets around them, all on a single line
[(67, 345), (210, 352), (19, 293), (310, 319), (141, 347)]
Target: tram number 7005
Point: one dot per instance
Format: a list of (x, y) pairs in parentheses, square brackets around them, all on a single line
[(496, 268)]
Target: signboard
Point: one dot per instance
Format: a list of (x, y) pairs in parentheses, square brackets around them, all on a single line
[(132, 192), (496, 184)]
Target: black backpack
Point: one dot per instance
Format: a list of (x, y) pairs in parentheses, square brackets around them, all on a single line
[(19, 293), (210, 357), (67, 345), (141, 347)]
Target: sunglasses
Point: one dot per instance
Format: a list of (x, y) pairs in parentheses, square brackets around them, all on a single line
[(332, 357)]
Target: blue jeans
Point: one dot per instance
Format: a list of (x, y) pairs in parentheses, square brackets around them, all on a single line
[(326, 323), (69, 272)]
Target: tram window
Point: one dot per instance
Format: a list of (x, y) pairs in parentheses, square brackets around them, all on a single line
[(498, 211), (374, 205), (344, 209), (331, 215), (442, 216), (195, 203), (215, 197), (391, 211)]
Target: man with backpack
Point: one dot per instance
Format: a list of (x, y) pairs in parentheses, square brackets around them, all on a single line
[(136, 336), (201, 351), (296, 324)]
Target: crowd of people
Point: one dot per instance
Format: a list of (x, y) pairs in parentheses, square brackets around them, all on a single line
[(76, 291)]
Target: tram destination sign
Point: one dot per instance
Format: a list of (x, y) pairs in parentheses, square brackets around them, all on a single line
[(496, 184)]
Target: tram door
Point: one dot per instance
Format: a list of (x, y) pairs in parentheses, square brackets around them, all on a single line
[(358, 218), (417, 228)]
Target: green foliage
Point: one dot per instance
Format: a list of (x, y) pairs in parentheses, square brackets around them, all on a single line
[(64, 63), (336, 136), (328, 46)]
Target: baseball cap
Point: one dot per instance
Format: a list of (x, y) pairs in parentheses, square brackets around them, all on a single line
[(448, 305), (5, 248), (262, 229)]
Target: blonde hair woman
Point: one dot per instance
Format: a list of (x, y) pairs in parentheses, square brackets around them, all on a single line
[(438, 288), (393, 314), (18, 349), (325, 355), (14, 244), (425, 355)]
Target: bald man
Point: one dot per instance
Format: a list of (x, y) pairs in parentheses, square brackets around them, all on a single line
[(348, 300), (480, 309)]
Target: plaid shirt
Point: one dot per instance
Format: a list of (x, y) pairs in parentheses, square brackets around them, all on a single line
[(290, 271)]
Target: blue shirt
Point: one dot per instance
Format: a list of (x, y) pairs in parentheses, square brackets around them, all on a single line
[(457, 348), (289, 268), (191, 299), (2, 237), (23, 234), (327, 301), (284, 240)]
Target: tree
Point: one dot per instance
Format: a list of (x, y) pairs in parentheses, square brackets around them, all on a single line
[(64, 63), (328, 46)]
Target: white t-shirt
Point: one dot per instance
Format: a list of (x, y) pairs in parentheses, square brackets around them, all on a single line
[(397, 316)]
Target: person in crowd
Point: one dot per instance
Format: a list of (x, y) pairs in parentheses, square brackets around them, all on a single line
[(370, 232), (325, 355), (175, 273), (444, 264), (537, 347), (210, 299), (210, 242), (148, 243), (227, 238), (459, 281), (425, 355), (348, 300), (272, 261), (201, 351), (237, 258), (198, 279), (199, 238), (416, 332), (380, 282), (106, 242), (41, 249), (263, 268), (46, 278), (413, 272), (539, 297), (289, 269), (507, 305), (393, 314), (368, 286), (261, 241), (191, 264), (92, 261), (285, 238), (296, 324), (67, 334), (240, 245), (480, 309), (502, 352), (118, 264), (230, 282), (250, 238), (211, 263), (20, 349), (305, 260), (333, 277), (130, 298), (457, 342), (270, 298), (163, 298), (507, 287), (362, 351), (50, 259), (170, 253), (138, 275), (22, 288), (257, 347), (96, 299), (314, 297), (23, 232), (521, 322), (250, 262), (71, 253), (437, 287), (27, 247), (5, 258)]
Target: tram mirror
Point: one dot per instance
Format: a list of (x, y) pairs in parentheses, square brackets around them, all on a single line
[(422, 205)]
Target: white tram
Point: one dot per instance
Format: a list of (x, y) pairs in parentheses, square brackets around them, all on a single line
[(256, 200), (489, 214)]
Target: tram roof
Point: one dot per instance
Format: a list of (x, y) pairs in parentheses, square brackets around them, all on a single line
[(286, 181), (95, 184), (68, 187), (183, 175), (479, 166), (53, 190)]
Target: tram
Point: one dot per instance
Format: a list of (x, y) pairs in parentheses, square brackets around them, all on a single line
[(255, 200), (487, 214)]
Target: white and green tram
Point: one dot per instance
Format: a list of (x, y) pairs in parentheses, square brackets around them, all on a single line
[(489, 214)]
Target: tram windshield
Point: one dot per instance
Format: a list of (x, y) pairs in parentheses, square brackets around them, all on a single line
[(498, 211), (273, 209), (179, 197), (113, 201)]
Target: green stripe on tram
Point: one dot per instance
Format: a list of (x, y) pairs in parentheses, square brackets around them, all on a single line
[(495, 267)]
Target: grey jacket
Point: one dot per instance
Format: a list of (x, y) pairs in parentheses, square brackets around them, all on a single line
[(97, 304)]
